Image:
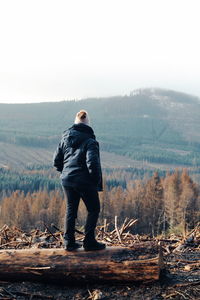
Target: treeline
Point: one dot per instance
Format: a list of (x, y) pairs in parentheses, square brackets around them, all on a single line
[(40, 177), (28, 180), (121, 176), (160, 204), (33, 209), (165, 157)]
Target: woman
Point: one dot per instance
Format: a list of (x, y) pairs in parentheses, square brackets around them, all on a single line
[(77, 158)]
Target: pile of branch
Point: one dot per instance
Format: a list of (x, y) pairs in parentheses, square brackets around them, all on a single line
[(119, 235), (15, 238), (191, 240), (52, 237)]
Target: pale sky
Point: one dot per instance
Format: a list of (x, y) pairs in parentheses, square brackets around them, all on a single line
[(59, 50)]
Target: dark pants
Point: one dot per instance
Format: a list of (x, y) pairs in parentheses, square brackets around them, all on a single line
[(91, 200)]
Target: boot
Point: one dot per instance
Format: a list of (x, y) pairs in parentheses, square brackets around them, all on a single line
[(71, 245), (93, 245)]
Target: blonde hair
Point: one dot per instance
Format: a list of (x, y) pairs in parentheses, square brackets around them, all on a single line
[(82, 117)]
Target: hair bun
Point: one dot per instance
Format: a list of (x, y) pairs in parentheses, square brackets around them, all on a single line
[(82, 114), (82, 117)]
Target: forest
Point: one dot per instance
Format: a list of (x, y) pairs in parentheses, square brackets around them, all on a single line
[(161, 204)]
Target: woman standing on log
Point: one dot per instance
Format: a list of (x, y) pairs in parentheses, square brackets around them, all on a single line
[(77, 158)]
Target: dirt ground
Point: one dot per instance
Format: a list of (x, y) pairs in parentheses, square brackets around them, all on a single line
[(180, 280)]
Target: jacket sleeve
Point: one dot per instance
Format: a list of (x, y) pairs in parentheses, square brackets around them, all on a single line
[(58, 158), (93, 163)]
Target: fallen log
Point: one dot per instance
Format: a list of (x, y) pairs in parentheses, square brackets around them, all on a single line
[(141, 262)]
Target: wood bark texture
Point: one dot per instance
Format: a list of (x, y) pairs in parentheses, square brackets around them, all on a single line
[(142, 262)]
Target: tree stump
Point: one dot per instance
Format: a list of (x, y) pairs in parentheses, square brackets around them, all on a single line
[(142, 262)]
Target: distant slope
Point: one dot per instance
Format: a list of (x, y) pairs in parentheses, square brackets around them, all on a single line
[(154, 126), (21, 157)]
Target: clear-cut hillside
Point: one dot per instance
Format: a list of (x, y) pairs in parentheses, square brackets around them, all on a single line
[(150, 126)]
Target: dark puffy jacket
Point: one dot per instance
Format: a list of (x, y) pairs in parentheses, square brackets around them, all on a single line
[(77, 158)]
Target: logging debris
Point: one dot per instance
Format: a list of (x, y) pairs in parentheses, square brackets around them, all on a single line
[(52, 237), (15, 238), (181, 281)]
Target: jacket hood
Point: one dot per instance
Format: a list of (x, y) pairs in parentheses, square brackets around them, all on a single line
[(77, 134)]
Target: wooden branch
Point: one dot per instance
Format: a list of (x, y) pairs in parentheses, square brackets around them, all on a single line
[(142, 262), (51, 233), (117, 230)]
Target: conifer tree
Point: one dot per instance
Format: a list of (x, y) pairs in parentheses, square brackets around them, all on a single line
[(171, 199)]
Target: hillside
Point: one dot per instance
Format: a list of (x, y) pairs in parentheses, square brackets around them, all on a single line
[(21, 157), (149, 126)]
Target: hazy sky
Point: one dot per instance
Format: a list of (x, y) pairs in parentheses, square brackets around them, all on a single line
[(56, 50)]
